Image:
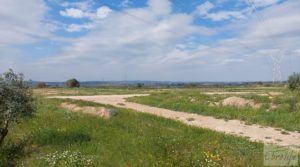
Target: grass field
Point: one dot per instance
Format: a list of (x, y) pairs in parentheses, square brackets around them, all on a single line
[(58, 137), (93, 91), (286, 114), (127, 139)]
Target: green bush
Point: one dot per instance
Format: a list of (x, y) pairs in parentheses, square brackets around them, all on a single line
[(140, 85), (72, 83), (293, 104), (16, 101), (294, 82)]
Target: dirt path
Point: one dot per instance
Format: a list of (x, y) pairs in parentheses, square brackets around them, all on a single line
[(235, 127)]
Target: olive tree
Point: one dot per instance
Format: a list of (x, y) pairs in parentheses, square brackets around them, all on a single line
[(72, 83), (16, 101), (294, 82)]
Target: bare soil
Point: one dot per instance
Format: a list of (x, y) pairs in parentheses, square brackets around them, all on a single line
[(239, 102), (99, 111)]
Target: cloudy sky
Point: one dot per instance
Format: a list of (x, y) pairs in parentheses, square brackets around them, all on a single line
[(168, 40)]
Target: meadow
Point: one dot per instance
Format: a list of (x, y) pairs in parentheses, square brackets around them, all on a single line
[(281, 110), (59, 137)]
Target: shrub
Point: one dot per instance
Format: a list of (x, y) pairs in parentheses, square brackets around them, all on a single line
[(292, 104), (15, 101), (42, 85), (140, 85), (72, 83), (294, 82)]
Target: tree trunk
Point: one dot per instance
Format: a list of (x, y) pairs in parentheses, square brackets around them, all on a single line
[(3, 132)]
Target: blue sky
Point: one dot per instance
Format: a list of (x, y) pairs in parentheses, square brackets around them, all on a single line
[(167, 40)]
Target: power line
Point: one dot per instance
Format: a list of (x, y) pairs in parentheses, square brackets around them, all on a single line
[(276, 61), (127, 13), (277, 76)]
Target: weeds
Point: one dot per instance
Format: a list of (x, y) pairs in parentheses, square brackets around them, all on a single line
[(66, 158), (57, 137)]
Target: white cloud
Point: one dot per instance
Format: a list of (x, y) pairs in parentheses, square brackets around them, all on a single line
[(153, 43), (160, 7), (82, 5), (278, 25), (262, 3), (122, 37), (100, 13), (204, 9), (72, 12), (103, 12), (125, 3), (22, 22), (225, 15), (297, 51), (78, 27)]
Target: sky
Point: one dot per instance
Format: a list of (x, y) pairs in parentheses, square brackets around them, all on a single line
[(162, 40)]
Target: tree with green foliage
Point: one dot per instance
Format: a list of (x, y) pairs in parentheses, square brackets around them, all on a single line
[(140, 85), (42, 85), (72, 83), (294, 82), (16, 101)]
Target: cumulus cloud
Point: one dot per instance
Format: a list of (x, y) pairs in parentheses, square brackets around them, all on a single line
[(125, 37), (225, 15), (22, 23), (271, 27), (204, 10), (155, 43), (100, 13), (78, 27), (72, 12), (103, 12)]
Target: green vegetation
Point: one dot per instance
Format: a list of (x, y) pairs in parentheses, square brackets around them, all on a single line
[(72, 83), (15, 101), (294, 82), (140, 85), (56, 136), (275, 111), (94, 91)]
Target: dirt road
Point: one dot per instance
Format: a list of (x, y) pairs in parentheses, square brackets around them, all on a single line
[(235, 127)]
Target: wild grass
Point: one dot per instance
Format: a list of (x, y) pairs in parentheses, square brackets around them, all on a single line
[(57, 137), (285, 115), (93, 91)]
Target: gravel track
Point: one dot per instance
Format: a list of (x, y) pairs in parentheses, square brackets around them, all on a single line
[(234, 127)]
